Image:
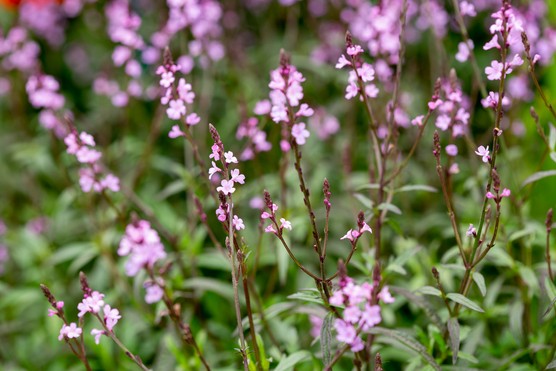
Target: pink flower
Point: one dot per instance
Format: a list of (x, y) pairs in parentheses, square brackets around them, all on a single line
[(176, 132), (452, 150), (505, 193), (192, 119), (230, 158), (71, 331), (237, 177), (154, 294), (464, 49), (185, 92), (91, 303), (305, 110), (262, 107), (226, 187), (471, 231), (237, 223), (418, 121), (354, 50), (493, 43), (366, 72), (214, 169), (300, 133), (111, 317), (483, 152), (385, 295), (490, 195), (215, 152), (285, 224), (176, 109), (167, 79), (466, 8), (97, 334), (270, 229), (342, 62), (351, 90), (494, 71), (370, 317)]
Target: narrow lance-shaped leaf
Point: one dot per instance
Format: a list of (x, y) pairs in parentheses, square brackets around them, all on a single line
[(460, 299)]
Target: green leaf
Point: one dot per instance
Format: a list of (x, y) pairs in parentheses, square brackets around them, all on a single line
[(390, 207), (290, 361), (367, 202), (407, 341), (529, 277), (460, 299), (552, 138), (368, 186), (537, 176), (551, 365), (171, 189), (453, 329), (282, 260), (429, 290), (480, 281), (310, 295), (326, 338), (221, 288), (468, 357), (416, 187)]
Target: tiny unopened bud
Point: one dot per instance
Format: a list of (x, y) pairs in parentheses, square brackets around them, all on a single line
[(167, 57), (548, 221), (526, 45), (360, 219), (84, 284), (534, 114), (378, 362), (267, 199), (495, 181), (200, 210), (342, 271), (48, 294), (349, 40), (435, 273), (436, 145), (284, 59)]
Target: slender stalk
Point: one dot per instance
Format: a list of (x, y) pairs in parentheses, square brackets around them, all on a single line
[(548, 224), (112, 335), (235, 282)]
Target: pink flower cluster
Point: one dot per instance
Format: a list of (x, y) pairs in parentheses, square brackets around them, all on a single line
[(176, 97), (359, 313), (43, 93), (286, 93), (256, 138), (91, 176), (452, 107), (93, 302), (361, 72), (142, 244), (17, 52), (274, 227), (353, 235), (229, 178), (203, 19), (506, 28)]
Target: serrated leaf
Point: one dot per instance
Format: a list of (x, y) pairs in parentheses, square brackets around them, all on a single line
[(390, 207), (537, 176), (460, 299), (326, 338), (367, 202), (429, 290), (453, 330), (290, 361), (407, 341), (416, 187), (480, 281)]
